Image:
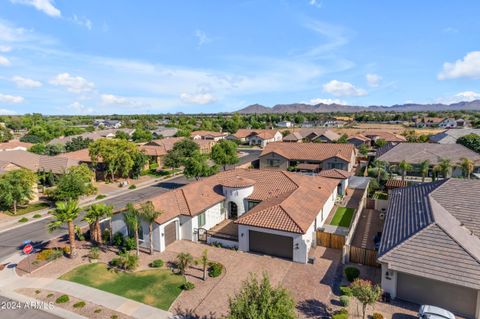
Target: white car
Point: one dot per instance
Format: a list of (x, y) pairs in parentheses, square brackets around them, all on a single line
[(432, 312)]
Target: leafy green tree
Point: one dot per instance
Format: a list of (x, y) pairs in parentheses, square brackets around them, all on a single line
[(380, 142), (363, 149), (365, 292), (16, 187), (471, 141), (405, 167), (39, 148), (77, 143), (76, 182), (141, 135), (224, 153), (467, 166), (424, 168), (139, 162), (122, 135), (180, 152), (66, 213), (93, 216), (5, 134), (54, 149), (444, 167), (259, 300), (203, 261), (132, 219), (196, 166), (184, 260), (343, 139), (148, 212)]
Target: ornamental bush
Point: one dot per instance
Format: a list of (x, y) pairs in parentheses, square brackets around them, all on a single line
[(157, 263), (352, 273), (62, 299), (215, 269), (188, 285)]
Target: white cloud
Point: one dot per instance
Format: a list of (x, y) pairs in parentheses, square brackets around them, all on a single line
[(110, 99), (465, 96), (326, 101), (11, 99), (315, 3), (22, 82), (468, 67), (7, 112), (199, 98), (373, 79), (75, 84), (339, 88), (46, 6), (79, 108), (5, 48), (202, 38), (82, 21), (4, 61)]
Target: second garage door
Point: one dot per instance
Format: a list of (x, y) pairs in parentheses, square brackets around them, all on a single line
[(270, 244), (460, 300), (170, 233)]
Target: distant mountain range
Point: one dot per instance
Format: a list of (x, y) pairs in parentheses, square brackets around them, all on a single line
[(327, 108)]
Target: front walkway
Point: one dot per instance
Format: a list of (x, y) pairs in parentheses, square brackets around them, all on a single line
[(10, 282)]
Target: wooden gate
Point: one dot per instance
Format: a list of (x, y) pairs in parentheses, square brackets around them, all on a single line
[(330, 240), (370, 203), (363, 256)]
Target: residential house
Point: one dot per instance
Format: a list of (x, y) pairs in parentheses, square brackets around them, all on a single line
[(430, 246), (14, 145), (340, 175), (91, 135), (106, 124), (267, 212), (358, 140), (281, 156), (416, 153), (451, 136), (448, 123), (387, 136), (334, 123), (312, 135), (157, 149), (428, 121), (162, 132), (207, 135), (7, 167), (36, 163), (284, 124), (264, 137)]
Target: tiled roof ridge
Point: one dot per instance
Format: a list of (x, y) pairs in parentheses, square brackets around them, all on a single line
[(286, 175), (185, 200), (288, 214)]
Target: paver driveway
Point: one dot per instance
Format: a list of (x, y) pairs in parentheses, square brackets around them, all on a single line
[(309, 284)]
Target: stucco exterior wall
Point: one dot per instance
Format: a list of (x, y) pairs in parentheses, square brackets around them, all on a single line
[(335, 162), (283, 165), (237, 195), (389, 283)]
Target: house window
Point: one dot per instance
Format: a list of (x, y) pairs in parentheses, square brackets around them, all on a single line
[(335, 165), (201, 220), (273, 162), (251, 204)]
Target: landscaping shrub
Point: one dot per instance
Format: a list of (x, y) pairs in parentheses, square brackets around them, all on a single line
[(377, 315), (49, 295), (106, 235), (340, 314), (133, 186), (94, 253), (37, 216), (344, 301), (79, 233), (118, 239), (66, 250), (37, 291), (23, 220), (125, 261), (215, 269), (62, 299), (129, 244), (113, 317), (157, 263), (49, 254), (188, 285), (100, 196), (115, 262), (352, 273), (346, 291), (98, 310), (79, 304)]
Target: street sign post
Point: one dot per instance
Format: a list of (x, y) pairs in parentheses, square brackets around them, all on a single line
[(27, 249)]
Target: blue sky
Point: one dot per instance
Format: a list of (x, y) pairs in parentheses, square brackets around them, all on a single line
[(111, 56)]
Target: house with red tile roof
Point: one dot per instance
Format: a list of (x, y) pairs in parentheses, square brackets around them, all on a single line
[(268, 212), (256, 137), (14, 145), (208, 135)]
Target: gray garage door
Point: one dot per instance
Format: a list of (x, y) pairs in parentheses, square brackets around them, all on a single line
[(170, 233), (269, 244), (420, 290)]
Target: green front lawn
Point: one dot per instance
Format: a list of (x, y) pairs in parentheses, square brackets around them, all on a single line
[(343, 217), (158, 288), (30, 208)]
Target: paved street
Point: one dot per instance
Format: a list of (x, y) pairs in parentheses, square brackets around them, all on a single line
[(10, 241)]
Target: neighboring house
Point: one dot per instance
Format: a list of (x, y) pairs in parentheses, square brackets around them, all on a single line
[(416, 153), (389, 137), (241, 135), (91, 135), (448, 123), (358, 140), (429, 121), (14, 145), (7, 167), (106, 124), (430, 245), (340, 175), (207, 135), (267, 212), (311, 135), (334, 123), (263, 138), (36, 163), (164, 132), (284, 124), (451, 136), (157, 149), (281, 156)]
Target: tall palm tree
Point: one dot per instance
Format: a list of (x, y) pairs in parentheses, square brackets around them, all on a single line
[(66, 213), (94, 215), (380, 168), (467, 167), (444, 166), (132, 219), (424, 167), (149, 213), (405, 167), (183, 261)]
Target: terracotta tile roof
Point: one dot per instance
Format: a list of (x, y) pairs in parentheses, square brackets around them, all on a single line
[(265, 134), (207, 133), (162, 146), (335, 173), (360, 137), (95, 135), (306, 166), (395, 183), (300, 197), (14, 144), (238, 182), (301, 133), (311, 151), (385, 135), (295, 136), (80, 155), (243, 133), (35, 162)]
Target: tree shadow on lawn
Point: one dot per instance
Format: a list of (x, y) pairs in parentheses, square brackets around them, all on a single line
[(190, 314), (313, 308)]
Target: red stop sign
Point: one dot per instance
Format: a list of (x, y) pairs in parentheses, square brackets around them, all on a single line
[(27, 249)]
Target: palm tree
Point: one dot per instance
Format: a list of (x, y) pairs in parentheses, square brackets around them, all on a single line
[(204, 262), (424, 167), (444, 166), (149, 213), (405, 167), (94, 215), (131, 218), (467, 167), (66, 213), (183, 262), (380, 168)]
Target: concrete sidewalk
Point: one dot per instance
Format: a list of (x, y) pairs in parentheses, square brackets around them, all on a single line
[(10, 281)]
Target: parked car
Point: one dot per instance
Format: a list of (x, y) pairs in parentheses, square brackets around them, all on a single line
[(433, 312)]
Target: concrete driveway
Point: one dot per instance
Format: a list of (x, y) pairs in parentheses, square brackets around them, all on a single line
[(309, 284)]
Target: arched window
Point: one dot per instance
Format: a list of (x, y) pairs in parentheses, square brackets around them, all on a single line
[(232, 210)]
